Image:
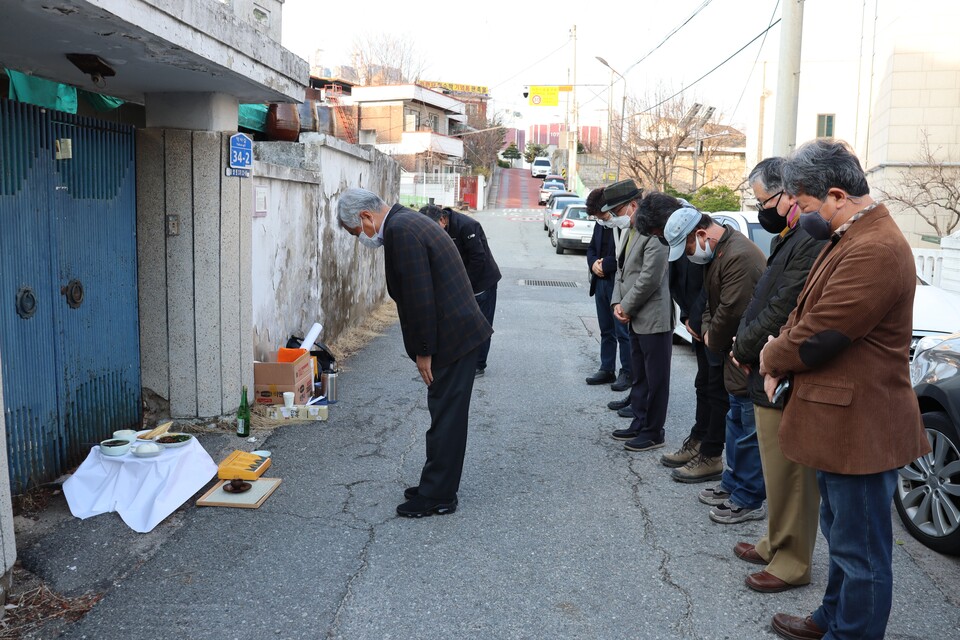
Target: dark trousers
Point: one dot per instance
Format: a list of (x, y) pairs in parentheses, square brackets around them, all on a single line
[(855, 520), (487, 301), (613, 333), (702, 414), (718, 402), (650, 356), (448, 400)]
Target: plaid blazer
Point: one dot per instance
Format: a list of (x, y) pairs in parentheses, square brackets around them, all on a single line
[(439, 315)]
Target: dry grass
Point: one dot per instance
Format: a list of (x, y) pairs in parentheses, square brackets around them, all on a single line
[(34, 611), (356, 338)]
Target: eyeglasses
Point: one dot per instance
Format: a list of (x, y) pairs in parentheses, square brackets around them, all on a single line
[(763, 205)]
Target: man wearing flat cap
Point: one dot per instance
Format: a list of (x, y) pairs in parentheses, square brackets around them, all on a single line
[(641, 299)]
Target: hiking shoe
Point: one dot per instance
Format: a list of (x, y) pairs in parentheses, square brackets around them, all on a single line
[(729, 513), (622, 383), (714, 496), (699, 469), (687, 451)]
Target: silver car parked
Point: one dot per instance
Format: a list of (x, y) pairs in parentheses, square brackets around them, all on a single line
[(574, 229)]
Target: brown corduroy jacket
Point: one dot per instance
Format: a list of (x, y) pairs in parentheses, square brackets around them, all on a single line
[(851, 408)]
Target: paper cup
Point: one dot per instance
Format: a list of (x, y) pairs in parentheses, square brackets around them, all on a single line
[(288, 399)]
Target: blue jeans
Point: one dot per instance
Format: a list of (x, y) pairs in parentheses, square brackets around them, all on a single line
[(855, 520), (612, 332), (743, 477)]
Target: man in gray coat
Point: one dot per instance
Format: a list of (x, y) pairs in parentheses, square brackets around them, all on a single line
[(641, 299)]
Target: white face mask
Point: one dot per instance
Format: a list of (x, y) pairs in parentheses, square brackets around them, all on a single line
[(701, 255), (620, 222), (371, 243)]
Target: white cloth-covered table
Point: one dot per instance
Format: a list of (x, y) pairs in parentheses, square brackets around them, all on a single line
[(143, 491)]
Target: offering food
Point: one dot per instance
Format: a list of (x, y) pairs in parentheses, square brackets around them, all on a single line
[(114, 447), (153, 433), (147, 450), (174, 439)]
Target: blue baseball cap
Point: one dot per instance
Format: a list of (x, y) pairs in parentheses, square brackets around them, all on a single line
[(681, 223)]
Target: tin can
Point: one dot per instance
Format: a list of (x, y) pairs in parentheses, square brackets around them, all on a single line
[(329, 380)]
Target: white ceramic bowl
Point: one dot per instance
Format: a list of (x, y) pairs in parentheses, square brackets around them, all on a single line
[(125, 434), (114, 449), (147, 450)]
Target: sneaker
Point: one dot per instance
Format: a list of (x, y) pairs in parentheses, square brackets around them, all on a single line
[(626, 412), (616, 405), (622, 383), (687, 452), (624, 434), (729, 513), (642, 443), (602, 377), (699, 469), (714, 496)]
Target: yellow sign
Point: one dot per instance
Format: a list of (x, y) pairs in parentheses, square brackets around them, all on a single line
[(544, 96), (454, 86)]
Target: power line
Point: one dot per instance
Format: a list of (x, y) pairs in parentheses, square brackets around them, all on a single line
[(731, 57), (702, 6), (754, 67)]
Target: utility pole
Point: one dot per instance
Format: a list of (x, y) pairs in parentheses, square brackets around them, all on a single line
[(788, 78), (572, 178)]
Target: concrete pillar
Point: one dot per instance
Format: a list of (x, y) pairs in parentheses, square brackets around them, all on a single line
[(8, 543), (788, 79), (193, 231), (194, 111)]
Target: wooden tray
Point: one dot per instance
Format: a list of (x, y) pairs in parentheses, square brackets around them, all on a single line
[(252, 499)]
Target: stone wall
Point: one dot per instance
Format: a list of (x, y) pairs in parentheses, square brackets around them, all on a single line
[(305, 268)]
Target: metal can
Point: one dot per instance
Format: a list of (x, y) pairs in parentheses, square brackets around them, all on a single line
[(329, 380)]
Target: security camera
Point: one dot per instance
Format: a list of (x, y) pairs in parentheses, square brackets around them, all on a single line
[(526, 91)]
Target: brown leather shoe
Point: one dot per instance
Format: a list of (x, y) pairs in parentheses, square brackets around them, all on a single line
[(748, 552), (796, 628), (765, 582)]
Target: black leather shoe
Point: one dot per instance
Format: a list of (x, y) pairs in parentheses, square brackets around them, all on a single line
[(411, 492), (616, 405), (624, 434), (601, 377), (622, 383), (642, 443), (420, 506), (626, 412)]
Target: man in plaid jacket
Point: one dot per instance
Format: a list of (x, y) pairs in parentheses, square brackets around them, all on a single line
[(442, 327)]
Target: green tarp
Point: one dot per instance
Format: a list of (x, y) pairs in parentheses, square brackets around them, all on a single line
[(43, 93), (253, 116)]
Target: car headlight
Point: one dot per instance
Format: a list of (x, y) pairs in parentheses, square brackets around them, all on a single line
[(927, 342)]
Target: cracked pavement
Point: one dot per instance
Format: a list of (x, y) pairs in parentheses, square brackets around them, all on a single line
[(560, 533)]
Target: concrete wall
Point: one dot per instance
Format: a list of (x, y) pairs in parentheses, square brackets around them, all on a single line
[(8, 543), (305, 268), (195, 293)]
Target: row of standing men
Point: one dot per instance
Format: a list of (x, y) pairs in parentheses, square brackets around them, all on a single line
[(802, 382)]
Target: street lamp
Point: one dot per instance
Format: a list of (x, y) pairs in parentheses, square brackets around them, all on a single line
[(623, 108)]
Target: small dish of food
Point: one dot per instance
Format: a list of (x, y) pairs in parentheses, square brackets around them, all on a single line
[(114, 447), (125, 434), (171, 440), (147, 450)]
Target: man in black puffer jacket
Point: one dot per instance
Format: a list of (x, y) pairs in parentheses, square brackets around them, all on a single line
[(792, 496)]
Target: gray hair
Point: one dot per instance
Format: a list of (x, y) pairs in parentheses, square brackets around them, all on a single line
[(768, 174), (820, 165), (353, 201)]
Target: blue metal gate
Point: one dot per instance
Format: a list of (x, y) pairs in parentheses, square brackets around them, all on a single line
[(69, 335)]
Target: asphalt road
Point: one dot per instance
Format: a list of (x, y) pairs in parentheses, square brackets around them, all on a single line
[(561, 533)]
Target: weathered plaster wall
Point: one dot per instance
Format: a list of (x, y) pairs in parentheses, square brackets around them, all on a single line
[(305, 268), (8, 543)]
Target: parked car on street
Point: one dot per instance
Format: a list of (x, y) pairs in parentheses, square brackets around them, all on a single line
[(936, 314), (555, 177), (540, 167), (927, 496), (549, 188), (574, 229), (555, 206), (747, 223)]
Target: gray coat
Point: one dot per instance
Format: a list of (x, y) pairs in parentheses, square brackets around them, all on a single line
[(642, 284)]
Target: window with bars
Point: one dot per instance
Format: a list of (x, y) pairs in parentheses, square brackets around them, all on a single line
[(825, 125)]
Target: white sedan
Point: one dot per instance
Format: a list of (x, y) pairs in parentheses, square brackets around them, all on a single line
[(574, 229)]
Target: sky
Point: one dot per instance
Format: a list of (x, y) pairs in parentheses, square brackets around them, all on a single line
[(507, 45)]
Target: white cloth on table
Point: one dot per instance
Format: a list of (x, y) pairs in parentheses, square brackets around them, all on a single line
[(143, 491)]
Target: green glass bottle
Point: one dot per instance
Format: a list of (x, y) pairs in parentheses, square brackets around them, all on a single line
[(243, 416)]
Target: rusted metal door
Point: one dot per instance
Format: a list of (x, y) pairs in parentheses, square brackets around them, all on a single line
[(69, 330)]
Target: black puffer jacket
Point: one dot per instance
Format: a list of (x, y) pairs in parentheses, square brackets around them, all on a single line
[(774, 297)]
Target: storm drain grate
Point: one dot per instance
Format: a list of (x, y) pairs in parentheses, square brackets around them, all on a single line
[(547, 283)]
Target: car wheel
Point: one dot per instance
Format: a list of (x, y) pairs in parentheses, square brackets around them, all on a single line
[(553, 238), (545, 227), (559, 249), (927, 496)]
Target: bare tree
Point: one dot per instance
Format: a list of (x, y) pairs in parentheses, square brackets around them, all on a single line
[(658, 135), (385, 58), (930, 188), (481, 146)]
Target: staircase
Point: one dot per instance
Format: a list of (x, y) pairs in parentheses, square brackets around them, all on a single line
[(334, 95)]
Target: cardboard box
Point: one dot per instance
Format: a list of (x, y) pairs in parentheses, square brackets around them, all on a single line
[(272, 379)]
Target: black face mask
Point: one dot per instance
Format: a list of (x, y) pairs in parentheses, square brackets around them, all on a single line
[(772, 221)]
